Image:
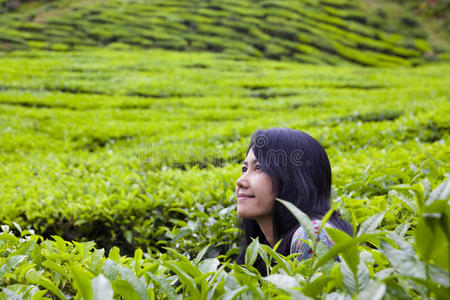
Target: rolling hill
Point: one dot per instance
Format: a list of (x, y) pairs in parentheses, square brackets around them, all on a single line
[(309, 31)]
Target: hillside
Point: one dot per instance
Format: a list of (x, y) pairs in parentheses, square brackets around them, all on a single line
[(138, 132), (311, 31), (141, 150), (124, 126)]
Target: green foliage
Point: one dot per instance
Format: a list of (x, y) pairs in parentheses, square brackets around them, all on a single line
[(158, 170), (33, 267), (141, 150), (317, 32), (432, 233)]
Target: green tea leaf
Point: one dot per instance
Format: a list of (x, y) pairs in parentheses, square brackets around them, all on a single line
[(314, 287), (234, 293), (178, 255), (81, 281), (442, 192), (125, 289), (185, 279), (165, 285), (208, 265), (11, 262), (349, 277), (136, 283), (325, 218), (431, 241), (404, 262), (372, 223), (56, 268), (114, 254), (374, 291), (252, 252), (101, 288), (201, 254), (302, 218), (10, 295), (350, 254), (277, 257), (111, 270), (282, 281), (47, 284)]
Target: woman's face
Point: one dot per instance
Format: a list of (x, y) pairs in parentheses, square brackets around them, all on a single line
[(255, 199)]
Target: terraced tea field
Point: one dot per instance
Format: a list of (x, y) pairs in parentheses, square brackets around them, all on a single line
[(142, 148), (311, 31), (123, 125)]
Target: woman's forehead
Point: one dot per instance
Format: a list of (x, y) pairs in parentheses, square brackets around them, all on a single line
[(252, 162), (251, 158)]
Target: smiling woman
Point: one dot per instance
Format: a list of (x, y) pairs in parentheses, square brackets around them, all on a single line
[(255, 195), (291, 165)]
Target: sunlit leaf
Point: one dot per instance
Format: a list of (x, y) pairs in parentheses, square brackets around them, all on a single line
[(252, 252), (372, 223), (101, 288)]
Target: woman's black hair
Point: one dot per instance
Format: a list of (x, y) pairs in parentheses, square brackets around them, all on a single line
[(301, 174)]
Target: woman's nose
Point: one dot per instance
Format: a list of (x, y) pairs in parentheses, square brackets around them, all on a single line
[(242, 182)]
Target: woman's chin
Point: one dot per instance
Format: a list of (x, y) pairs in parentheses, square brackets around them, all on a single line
[(242, 213)]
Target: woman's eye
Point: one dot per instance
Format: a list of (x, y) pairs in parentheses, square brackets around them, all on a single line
[(257, 167)]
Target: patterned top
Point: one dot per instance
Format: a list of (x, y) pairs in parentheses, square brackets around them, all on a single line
[(299, 246)]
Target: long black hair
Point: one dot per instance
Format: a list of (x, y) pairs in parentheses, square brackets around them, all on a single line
[(301, 174)]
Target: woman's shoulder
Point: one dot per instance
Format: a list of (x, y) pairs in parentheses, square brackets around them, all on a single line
[(300, 232), (298, 244)]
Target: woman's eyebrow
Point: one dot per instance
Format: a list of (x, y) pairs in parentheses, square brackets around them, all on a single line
[(252, 162)]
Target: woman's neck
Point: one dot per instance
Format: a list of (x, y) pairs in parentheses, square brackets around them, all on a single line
[(266, 225)]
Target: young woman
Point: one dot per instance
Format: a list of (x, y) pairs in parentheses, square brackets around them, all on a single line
[(291, 165)]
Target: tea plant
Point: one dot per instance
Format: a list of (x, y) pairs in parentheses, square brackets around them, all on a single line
[(91, 162), (117, 168), (377, 263), (316, 32)]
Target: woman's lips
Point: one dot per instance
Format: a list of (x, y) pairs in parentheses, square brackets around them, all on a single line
[(244, 196)]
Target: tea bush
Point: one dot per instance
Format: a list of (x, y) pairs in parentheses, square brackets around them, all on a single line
[(118, 171), (378, 262), (318, 32), (114, 154)]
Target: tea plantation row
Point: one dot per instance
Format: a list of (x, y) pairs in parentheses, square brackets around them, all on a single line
[(380, 262), (311, 31), (141, 149)]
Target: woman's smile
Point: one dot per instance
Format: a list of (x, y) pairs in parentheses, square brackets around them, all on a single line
[(244, 196), (254, 190)]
